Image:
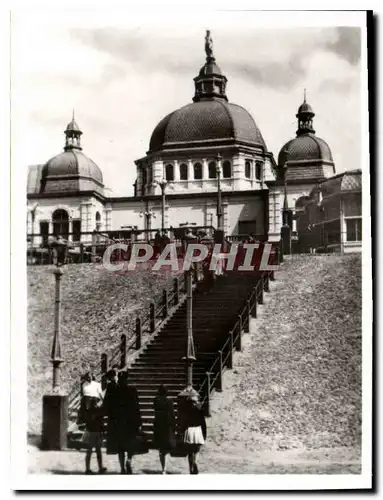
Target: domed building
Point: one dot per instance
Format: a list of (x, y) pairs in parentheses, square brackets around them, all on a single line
[(206, 147), (306, 157), (190, 144), (66, 194), (303, 162)]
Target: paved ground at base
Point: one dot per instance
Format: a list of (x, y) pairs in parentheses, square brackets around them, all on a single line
[(211, 461)]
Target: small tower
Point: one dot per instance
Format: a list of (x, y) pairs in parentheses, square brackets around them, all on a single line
[(210, 82), (305, 117), (72, 136)]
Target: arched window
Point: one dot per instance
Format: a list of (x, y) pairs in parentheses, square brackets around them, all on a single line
[(248, 170), (169, 172), (60, 221), (226, 169), (98, 221), (144, 177), (212, 170), (258, 171), (183, 172), (197, 171)]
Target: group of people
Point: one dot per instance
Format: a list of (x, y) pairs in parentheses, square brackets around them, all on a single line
[(119, 402)]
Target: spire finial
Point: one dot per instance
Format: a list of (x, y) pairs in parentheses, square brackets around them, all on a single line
[(304, 95), (73, 114), (209, 45)]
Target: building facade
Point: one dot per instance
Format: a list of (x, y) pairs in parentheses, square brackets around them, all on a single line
[(207, 143)]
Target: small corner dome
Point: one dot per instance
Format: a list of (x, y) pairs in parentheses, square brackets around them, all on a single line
[(72, 163), (305, 147)]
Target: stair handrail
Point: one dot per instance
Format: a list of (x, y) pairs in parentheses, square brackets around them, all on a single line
[(213, 376), (147, 326)]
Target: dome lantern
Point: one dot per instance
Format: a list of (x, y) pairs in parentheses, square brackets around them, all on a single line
[(72, 136), (210, 81), (305, 117)]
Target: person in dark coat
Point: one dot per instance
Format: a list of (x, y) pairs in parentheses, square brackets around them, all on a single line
[(193, 426), (111, 411), (128, 422), (164, 425)]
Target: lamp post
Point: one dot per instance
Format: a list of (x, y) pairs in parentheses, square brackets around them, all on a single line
[(163, 185), (60, 247), (219, 194), (55, 405), (190, 351), (286, 229)]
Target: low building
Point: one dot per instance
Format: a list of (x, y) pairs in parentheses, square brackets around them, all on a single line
[(330, 219)]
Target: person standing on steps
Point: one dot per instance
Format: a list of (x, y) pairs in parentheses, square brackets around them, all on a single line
[(194, 430), (164, 425), (92, 414), (128, 422), (111, 405)]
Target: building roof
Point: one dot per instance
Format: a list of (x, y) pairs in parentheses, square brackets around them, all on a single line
[(72, 162), (208, 119), (305, 147), (350, 180)]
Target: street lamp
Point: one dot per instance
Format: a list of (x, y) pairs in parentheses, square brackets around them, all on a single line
[(286, 229), (219, 194), (55, 405), (190, 358), (163, 185), (60, 249)]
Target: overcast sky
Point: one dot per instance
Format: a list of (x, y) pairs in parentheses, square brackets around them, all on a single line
[(122, 80)]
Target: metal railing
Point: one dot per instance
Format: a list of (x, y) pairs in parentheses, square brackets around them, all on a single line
[(213, 378), (160, 309)]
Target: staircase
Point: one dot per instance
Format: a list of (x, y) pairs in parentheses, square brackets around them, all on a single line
[(214, 313)]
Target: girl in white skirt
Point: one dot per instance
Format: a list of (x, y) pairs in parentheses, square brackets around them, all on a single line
[(194, 432)]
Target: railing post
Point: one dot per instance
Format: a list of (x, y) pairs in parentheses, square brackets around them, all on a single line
[(104, 369), (220, 370), (176, 291), (165, 298), (231, 348), (123, 351), (266, 282), (239, 338), (260, 291), (152, 312), (138, 332), (255, 299), (104, 363), (208, 381), (272, 276), (246, 325), (280, 251), (82, 253)]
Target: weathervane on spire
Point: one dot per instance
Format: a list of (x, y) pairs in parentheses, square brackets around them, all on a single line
[(209, 45), (304, 95)]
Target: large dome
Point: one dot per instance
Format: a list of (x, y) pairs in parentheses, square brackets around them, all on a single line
[(305, 147), (73, 163), (206, 120)]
